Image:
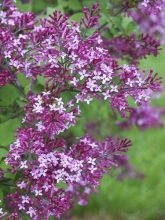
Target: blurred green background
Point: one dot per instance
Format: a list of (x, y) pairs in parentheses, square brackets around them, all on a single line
[(135, 199)]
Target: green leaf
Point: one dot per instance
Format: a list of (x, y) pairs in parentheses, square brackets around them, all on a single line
[(4, 166), (41, 80), (38, 6), (61, 185), (74, 5), (23, 80), (8, 95), (60, 7), (1, 194), (88, 3), (38, 88), (8, 130), (128, 25), (50, 10), (3, 152), (24, 7), (77, 16)]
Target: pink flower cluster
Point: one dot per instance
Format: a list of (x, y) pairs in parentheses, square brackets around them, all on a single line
[(59, 50), (153, 6), (151, 21), (5, 77), (133, 46), (144, 117), (49, 112), (53, 175)]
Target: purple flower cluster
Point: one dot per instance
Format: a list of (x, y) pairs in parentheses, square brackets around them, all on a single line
[(6, 77), (133, 46), (153, 6), (52, 175), (144, 117), (58, 50), (151, 21), (49, 112)]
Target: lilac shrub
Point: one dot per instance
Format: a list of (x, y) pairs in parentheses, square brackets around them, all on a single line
[(147, 39), (50, 176)]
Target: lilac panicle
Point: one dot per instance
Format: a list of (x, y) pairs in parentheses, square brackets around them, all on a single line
[(152, 6), (150, 17), (58, 50), (46, 162), (134, 47), (144, 117)]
